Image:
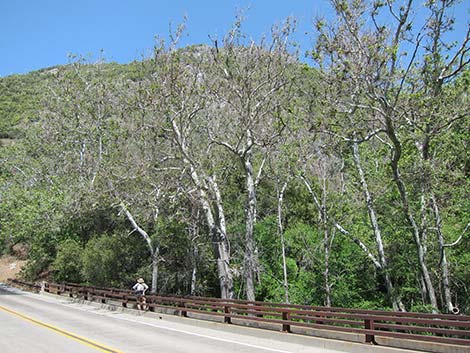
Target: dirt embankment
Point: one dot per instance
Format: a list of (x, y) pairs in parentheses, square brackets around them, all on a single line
[(10, 267)]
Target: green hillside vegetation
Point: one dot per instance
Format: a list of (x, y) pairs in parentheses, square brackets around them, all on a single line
[(236, 170), (19, 99)]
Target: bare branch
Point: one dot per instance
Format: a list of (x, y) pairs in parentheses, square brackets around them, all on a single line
[(360, 244), (136, 227), (223, 143), (260, 171), (459, 238), (347, 139), (459, 56)]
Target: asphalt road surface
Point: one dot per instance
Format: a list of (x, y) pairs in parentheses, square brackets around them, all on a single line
[(36, 323)]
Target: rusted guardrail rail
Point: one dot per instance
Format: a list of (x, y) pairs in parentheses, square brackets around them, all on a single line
[(371, 324), (29, 286)]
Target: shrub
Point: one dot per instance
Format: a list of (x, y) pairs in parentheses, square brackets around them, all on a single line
[(68, 262)]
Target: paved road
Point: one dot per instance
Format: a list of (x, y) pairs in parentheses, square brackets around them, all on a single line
[(36, 323)]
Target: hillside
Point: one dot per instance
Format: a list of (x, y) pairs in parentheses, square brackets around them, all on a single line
[(10, 267), (241, 171), (20, 98)]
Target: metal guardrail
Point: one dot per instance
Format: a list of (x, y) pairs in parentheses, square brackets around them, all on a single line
[(29, 286), (435, 328)]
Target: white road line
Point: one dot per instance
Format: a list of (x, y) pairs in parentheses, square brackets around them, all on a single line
[(203, 336), (107, 314)]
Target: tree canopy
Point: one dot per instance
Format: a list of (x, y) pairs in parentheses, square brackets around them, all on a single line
[(238, 170)]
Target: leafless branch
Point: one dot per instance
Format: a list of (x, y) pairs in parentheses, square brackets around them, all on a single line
[(459, 238), (461, 56)]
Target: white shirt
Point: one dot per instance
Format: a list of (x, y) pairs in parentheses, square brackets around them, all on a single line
[(140, 287)]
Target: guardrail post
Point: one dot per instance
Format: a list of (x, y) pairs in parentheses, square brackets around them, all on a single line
[(150, 301), (369, 325), (184, 313), (285, 317), (227, 319), (320, 322)]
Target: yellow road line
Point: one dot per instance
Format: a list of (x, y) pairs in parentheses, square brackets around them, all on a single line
[(70, 335)]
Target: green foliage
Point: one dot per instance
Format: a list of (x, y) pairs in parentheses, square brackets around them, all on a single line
[(20, 97), (102, 134), (176, 249), (67, 264), (460, 260), (27, 214), (112, 260)]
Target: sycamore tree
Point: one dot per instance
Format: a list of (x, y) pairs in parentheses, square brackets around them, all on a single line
[(322, 166), (375, 69), (175, 92), (249, 88), (96, 137), (144, 180), (58, 158), (437, 105)]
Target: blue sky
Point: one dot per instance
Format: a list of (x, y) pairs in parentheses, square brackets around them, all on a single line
[(37, 34), (41, 33)]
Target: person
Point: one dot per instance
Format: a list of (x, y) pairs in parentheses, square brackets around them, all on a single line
[(142, 303), (140, 287), (139, 290)]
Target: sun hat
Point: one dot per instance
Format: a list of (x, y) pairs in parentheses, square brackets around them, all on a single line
[(140, 280)]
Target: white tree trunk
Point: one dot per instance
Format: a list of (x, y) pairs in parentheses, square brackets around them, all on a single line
[(443, 261), (326, 273), (155, 263), (326, 243), (250, 219), (221, 242), (217, 232), (396, 302), (280, 229), (396, 155), (195, 258), (194, 271), (154, 253)]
